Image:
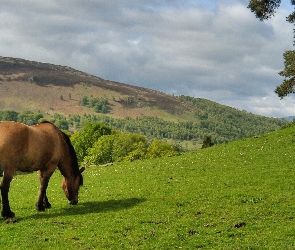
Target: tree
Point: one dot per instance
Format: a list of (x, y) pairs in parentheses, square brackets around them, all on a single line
[(207, 142), (29, 117), (101, 152), (265, 9), (84, 101), (8, 115), (129, 147), (85, 138), (138, 152), (160, 149), (61, 124), (287, 87)]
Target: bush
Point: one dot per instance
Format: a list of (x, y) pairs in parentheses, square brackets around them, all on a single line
[(101, 148), (160, 149), (84, 139), (129, 146), (207, 142), (101, 152)]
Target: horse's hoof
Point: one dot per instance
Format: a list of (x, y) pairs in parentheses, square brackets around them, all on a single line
[(8, 214), (73, 202), (47, 205), (40, 208)]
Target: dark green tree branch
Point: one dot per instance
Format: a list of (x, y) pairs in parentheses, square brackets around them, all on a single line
[(265, 9)]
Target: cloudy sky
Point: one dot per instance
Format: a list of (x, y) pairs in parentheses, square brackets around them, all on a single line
[(213, 49)]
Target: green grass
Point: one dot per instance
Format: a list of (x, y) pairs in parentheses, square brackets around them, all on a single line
[(239, 195)]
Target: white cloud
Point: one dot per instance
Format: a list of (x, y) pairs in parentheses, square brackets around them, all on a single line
[(210, 49)]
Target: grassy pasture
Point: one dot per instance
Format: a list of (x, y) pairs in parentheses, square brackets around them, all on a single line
[(239, 195)]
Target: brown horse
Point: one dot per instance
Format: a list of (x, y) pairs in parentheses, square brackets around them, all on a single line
[(43, 148)]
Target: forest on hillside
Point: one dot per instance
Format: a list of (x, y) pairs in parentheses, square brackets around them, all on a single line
[(222, 123), (225, 123)]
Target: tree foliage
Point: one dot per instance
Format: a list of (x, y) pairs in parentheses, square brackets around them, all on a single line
[(264, 9), (101, 151), (85, 138), (26, 117), (221, 122), (98, 140), (207, 142), (8, 115), (60, 121), (287, 87), (99, 105), (126, 147), (159, 148)]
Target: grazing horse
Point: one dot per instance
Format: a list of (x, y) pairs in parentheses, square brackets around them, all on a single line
[(43, 148)]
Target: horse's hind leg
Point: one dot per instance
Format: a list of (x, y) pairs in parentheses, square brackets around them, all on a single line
[(5, 185), (42, 202)]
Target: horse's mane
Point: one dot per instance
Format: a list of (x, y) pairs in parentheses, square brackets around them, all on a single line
[(73, 155), (75, 169)]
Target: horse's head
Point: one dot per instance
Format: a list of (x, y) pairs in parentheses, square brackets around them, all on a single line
[(71, 187), (69, 168)]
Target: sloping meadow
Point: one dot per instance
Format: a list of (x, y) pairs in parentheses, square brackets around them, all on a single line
[(239, 195)]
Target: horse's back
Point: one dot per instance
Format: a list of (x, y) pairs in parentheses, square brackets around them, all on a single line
[(13, 135), (45, 143), (28, 148)]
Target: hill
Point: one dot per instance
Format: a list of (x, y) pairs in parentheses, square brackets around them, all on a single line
[(39, 86), (238, 195), (290, 118), (54, 89)]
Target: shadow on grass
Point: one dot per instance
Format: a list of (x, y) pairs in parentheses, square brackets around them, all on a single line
[(89, 208)]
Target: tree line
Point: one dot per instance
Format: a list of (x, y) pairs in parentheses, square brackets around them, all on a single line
[(102, 139), (225, 123), (222, 123)]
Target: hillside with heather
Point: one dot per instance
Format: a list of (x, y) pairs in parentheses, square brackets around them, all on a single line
[(40, 86), (78, 97)]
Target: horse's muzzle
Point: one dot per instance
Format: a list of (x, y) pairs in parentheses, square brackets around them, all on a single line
[(73, 202)]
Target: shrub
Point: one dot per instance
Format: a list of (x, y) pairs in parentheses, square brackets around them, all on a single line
[(159, 148), (129, 146), (85, 138), (101, 152)]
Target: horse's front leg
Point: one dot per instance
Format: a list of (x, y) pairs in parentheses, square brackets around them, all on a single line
[(42, 202), (5, 185)]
